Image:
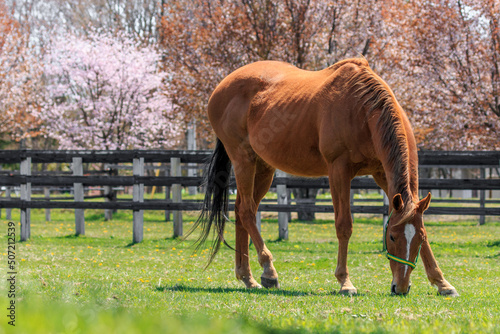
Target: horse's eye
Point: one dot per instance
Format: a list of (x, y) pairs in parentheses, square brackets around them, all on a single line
[(392, 238)]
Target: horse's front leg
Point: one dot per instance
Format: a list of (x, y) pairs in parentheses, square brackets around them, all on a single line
[(434, 274), (340, 186)]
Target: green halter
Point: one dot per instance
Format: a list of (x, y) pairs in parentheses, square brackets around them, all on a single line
[(395, 258)]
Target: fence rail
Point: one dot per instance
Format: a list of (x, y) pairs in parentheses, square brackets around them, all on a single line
[(291, 182), (426, 158), (94, 156), (25, 180)]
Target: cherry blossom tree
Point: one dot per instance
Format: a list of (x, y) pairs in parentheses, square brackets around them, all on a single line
[(105, 92)]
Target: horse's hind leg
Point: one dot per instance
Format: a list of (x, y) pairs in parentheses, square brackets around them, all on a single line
[(263, 179), (242, 264), (253, 180)]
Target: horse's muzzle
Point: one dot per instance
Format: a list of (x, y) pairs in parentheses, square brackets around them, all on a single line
[(394, 292)]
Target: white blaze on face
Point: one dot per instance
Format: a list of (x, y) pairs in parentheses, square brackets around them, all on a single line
[(409, 234)]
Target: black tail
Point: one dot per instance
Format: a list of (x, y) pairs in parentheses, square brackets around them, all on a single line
[(215, 204)]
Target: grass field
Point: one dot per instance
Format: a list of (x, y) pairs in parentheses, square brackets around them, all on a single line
[(100, 283)]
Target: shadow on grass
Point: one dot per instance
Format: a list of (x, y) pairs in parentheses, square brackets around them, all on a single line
[(69, 236), (277, 241), (178, 242), (274, 292), (292, 242), (494, 243)]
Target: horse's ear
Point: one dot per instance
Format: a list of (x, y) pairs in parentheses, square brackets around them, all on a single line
[(397, 202), (424, 203)]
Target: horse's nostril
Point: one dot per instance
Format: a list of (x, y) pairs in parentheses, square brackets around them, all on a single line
[(394, 292)]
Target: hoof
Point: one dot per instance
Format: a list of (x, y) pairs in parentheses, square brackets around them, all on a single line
[(250, 283), (449, 293), (253, 285), (348, 292), (269, 282)]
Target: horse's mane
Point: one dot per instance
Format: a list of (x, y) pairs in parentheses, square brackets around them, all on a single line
[(377, 96)]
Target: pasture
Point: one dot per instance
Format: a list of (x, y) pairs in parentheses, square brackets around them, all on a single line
[(101, 283)]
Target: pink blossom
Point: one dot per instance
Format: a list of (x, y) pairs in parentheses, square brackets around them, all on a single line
[(107, 92)]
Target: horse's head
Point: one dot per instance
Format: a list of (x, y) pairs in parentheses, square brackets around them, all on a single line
[(404, 235)]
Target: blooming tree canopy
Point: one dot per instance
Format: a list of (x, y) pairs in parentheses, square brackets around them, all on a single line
[(106, 92)]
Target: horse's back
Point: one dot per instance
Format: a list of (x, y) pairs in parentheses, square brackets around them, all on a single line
[(253, 78), (285, 80), (279, 111)]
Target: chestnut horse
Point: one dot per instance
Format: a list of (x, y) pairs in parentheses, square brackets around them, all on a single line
[(342, 121)]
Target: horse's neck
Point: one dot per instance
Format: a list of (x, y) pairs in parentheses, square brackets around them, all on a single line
[(400, 162), (412, 160), (402, 179)]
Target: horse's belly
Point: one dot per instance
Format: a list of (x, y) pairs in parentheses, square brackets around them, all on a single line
[(299, 160)]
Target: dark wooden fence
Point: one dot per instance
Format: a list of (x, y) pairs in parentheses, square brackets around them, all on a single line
[(24, 180)]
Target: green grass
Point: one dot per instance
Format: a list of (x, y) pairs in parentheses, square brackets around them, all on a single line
[(100, 283)]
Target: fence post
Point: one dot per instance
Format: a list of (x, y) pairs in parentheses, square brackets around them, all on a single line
[(167, 197), (8, 212), (108, 193), (79, 196), (385, 216), (25, 196), (176, 196), (191, 145), (282, 199), (351, 202), (138, 197), (258, 221), (46, 193), (482, 198)]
